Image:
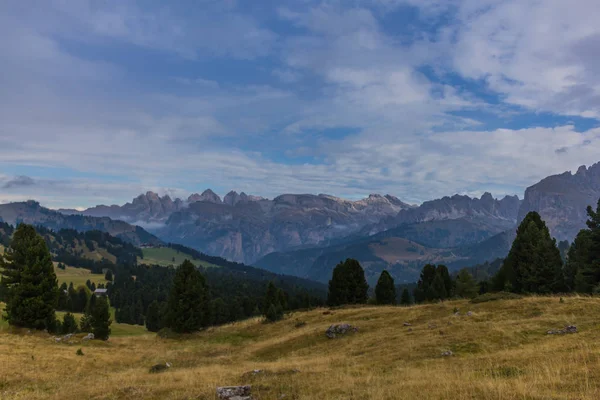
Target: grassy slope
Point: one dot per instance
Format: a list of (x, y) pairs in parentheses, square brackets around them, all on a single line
[(77, 275), (164, 256), (118, 330), (501, 352)]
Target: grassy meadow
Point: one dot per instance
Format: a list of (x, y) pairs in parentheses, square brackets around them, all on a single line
[(502, 352), (164, 256), (77, 275)]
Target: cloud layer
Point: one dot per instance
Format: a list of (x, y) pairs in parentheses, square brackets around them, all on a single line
[(100, 101)]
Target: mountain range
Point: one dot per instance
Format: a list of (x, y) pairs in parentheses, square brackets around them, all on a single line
[(306, 235)]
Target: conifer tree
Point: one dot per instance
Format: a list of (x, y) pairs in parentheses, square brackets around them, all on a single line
[(424, 290), (273, 309), (109, 275), (187, 307), (100, 319), (28, 275), (584, 259), (533, 264), (385, 291), (466, 286), (153, 323), (348, 284), (69, 324), (438, 288), (405, 299), (442, 271)]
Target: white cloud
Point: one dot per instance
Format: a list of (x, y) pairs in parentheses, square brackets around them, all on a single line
[(189, 132)]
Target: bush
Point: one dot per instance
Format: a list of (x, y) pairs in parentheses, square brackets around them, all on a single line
[(300, 324), (483, 298), (79, 352)]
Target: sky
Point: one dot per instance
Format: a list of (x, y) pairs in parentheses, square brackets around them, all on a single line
[(103, 100)]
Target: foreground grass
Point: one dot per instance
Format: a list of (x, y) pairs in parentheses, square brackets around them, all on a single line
[(165, 256), (500, 352)]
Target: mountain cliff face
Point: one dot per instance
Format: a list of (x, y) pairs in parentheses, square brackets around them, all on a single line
[(244, 228), (490, 211), (31, 212), (561, 200)]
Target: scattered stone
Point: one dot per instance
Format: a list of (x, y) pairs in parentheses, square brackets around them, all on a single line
[(409, 329), (341, 329), (234, 392), (567, 329), (469, 313), (407, 324), (447, 353), (159, 368), (432, 326), (457, 314), (449, 323), (89, 336)]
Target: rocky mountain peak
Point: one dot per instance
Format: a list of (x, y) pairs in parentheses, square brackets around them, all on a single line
[(561, 200)]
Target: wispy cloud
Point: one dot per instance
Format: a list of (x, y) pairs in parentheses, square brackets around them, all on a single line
[(312, 96)]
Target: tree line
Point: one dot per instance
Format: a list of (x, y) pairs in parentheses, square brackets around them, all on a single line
[(31, 291)]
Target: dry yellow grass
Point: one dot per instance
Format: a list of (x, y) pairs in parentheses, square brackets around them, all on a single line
[(500, 352)]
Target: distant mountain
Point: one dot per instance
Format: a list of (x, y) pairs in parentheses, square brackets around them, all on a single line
[(488, 210), (562, 200), (244, 227), (402, 257), (31, 212)]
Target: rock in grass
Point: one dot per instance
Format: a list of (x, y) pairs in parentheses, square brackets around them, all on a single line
[(234, 392), (159, 368), (567, 329), (447, 353), (341, 329)]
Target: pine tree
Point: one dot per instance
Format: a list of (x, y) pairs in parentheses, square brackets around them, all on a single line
[(100, 319), (438, 288), (273, 309), (385, 291), (466, 286), (153, 323), (85, 323), (109, 275), (405, 299), (69, 324), (28, 275), (424, 291), (584, 255), (442, 270), (187, 309), (533, 264), (348, 284)]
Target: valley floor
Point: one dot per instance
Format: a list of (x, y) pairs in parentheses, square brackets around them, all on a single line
[(501, 351)]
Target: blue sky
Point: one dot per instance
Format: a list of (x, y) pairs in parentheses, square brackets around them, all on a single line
[(102, 100)]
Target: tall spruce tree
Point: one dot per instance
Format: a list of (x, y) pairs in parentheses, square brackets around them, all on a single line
[(348, 284), (385, 291), (274, 303), (443, 272), (533, 264), (466, 286), (153, 323), (585, 255), (405, 299), (187, 306), (424, 290), (100, 319), (28, 275)]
